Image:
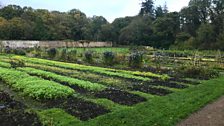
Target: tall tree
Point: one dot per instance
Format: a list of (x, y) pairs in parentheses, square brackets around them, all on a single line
[(159, 12), (147, 8), (11, 11)]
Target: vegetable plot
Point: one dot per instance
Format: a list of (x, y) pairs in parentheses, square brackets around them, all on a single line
[(34, 86)]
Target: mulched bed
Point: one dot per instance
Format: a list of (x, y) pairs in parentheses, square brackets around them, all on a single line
[(151, 90), (12, 113), (120, 97), (84, 110)]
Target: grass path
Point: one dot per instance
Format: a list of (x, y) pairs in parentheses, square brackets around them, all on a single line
[(210, 115), (158, 111)]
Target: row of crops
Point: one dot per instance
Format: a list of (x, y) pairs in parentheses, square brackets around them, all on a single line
[(63, 84)]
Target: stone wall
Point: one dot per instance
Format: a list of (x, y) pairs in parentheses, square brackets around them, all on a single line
[(19, 44), (53, 44)]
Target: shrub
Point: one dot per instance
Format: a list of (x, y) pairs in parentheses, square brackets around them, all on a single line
[(89, 56), (64, 55), (52, 53), (136, 60), (7, 50), (108, 58), (72, 55), (19, 52), (198, 72), (120, 59)]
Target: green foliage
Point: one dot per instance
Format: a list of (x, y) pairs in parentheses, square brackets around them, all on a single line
[(63, 54), (19, 52), (7, 50), (17, 63), (99, 70), (63, 79), (201, 22), (57, 117), (108, 58), (72, 54), (89, 56), (33, 86), (198, 72), (52, 53), (136, 60)]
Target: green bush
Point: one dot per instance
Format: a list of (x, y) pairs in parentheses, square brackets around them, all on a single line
[(108, 58), (198, 72), (19, 52), (52, 52), (7, 50), (64, 55), (72, 55), (89, 56), (136, 60)]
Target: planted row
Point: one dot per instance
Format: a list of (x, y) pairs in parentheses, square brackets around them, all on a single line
[(99, 70), (33, 86), (97, 78), (64, 79)]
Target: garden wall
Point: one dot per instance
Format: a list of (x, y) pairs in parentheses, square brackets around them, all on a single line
[(52, 44)]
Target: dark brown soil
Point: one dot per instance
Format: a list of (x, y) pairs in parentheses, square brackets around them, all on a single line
[(151, 90), (84, 110), (120, 97), (12, 113)]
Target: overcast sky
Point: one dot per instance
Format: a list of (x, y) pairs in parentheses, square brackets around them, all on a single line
[(110, 9)]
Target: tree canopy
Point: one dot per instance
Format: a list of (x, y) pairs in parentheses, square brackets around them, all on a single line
[(200, 25)]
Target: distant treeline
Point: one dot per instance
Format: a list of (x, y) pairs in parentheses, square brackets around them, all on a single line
[(200, 25)]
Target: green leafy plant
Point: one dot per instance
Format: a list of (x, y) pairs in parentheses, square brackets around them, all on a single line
[(52, 52), (108, 58), (198, 72), (136, 60), (89, 56), (16, 63), (33, 86)]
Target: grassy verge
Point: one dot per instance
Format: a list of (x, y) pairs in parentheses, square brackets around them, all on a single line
[(163, 111)]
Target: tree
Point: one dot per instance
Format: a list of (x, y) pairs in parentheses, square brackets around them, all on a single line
[(96, 26), (159, 12), (118, 25), (205, 36), (165, 30), (4, 30), (217, 16), (11, 11), (137, 33), (165, 8), (190, 20), (203, 8), (18, 29), (107, 33), (78, 23), (147, 8)]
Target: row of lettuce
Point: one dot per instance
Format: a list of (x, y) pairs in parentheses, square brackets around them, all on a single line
[(137, 75), (45, 83), (34, 87)]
